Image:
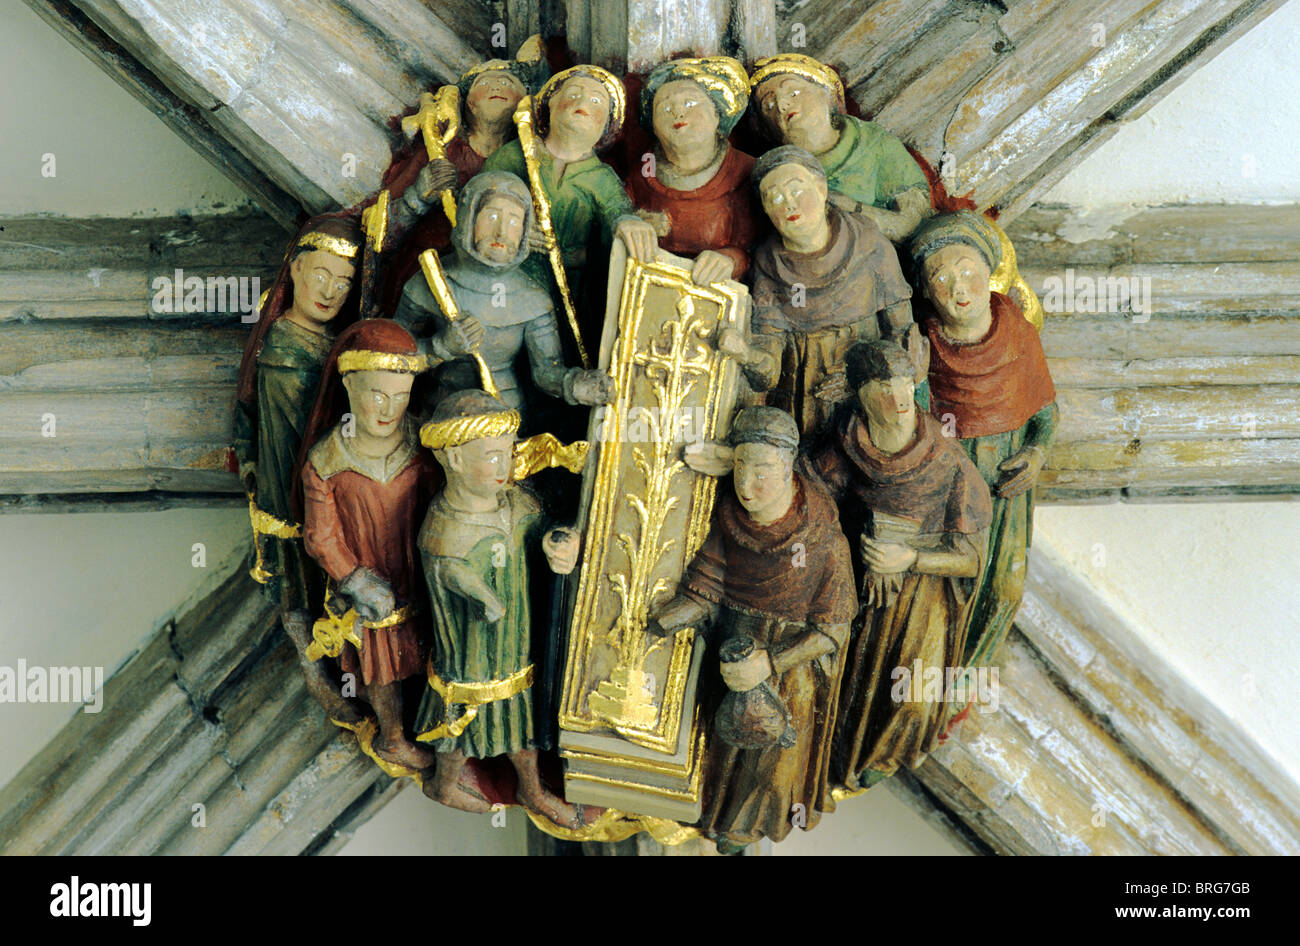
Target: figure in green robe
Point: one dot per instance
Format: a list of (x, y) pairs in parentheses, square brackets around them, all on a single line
[(279, 376), (578, 112), (992, 390), (800, 101), (474, 545)]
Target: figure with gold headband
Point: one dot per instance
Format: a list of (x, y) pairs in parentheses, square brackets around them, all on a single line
[(990, 383), (313, 296), (475, 116), (474, 546), (800, 101), (364, 486), (696, 190), (578, 112)]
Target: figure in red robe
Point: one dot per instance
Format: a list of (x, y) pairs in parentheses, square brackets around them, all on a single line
[(365, 485), (694, 187)]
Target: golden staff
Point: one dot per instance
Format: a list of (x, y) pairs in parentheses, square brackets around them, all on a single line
[(440, 109), (437, 280), (528, 143)]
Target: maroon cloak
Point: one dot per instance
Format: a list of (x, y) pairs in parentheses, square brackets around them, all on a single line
[(777, 584), (721, 215), (993, 385)]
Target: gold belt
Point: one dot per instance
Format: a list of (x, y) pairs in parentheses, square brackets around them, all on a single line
[(266, 524), (472, 696), (332, 631)]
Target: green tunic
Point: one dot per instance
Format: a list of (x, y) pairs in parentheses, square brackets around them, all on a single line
[(1001, 584), (289, 369), (586, 194), (463, 553), (870, 165)]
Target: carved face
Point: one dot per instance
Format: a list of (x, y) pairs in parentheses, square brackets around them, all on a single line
[(498, 228), (791, 104), (493, 96), (321, 283), (889, 404), (481, 467), (957, 282), (763, 479), (684, 115), (378, 400), (579, 112), (795, 200)]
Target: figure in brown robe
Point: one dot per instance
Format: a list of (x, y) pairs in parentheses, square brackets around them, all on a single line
[(919, 512), (775, 571), (824, 281)]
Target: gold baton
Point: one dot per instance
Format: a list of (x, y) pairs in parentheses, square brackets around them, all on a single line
[(438, 110), (528, 142), (437, 280)]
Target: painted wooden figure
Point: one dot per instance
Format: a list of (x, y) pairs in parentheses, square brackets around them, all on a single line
[(918, 512), (364, 486), (800, 101), (823, 281), (696, 191), (312, 297), (578, 112), (991, 387), (502, 313), (775, 575), (473, 545)]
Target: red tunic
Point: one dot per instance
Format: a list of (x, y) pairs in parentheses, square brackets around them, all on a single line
[(722, 215), (352, 520)]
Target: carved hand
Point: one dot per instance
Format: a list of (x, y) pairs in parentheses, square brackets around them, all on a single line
[(537, 242), (748, 673), (368, 594), (562, 552), (709, 457), (489, 607), (897, 225), (887, 558), (711, 266), (1020, 471), (248, 477), (672, 616), (842, 201), (592, 388), (658, 219), (435, 177), (461, 337), (640, 238), (833, 388), (732, 344)]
